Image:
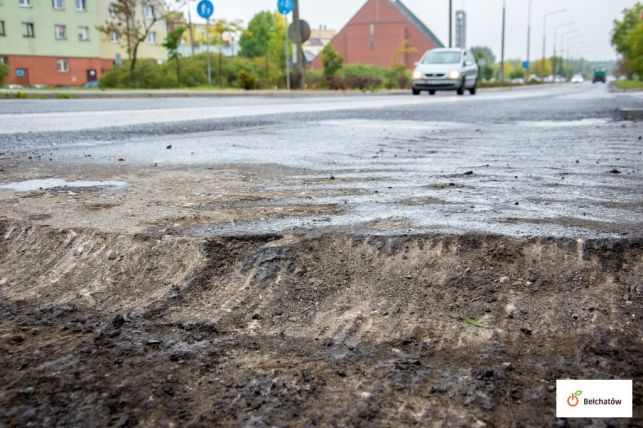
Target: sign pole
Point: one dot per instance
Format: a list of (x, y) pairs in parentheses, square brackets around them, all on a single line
[(207, 50), (287, 56)]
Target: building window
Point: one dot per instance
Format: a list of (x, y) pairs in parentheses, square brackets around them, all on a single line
[(58, 4), (25, 3), (83, 34), (81, 6), (151, 38), (62, 65), (115, 37), (60, 31), (149, 11), (2, 31), (28, 30), (4, 60)]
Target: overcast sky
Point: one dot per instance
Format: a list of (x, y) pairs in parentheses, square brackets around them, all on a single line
[(591, 20)]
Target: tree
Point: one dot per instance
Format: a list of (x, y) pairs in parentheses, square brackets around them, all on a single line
[(332, 61), (626, 38), (255, 39), (133, 20), (4, 72), (172, 43), (486, 60)]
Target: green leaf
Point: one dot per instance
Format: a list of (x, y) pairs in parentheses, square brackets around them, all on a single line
[(472, 322), (578, 393)]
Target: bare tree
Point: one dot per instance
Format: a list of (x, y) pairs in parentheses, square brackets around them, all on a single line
[(133, 20)]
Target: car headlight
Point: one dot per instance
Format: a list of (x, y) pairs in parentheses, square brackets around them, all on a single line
[(454, 75), (417, 74)]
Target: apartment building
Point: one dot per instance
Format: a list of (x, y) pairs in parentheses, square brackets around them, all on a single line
[(57, 42), (112, 45)]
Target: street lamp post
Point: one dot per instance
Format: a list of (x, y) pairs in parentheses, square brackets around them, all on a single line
[(502, 48), (450, 23), (568, 44), (562, 45), (529, 36), (553, 57), (547, 15)]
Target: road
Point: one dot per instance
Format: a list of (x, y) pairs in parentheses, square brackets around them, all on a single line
[(539, 157), (319, 261)]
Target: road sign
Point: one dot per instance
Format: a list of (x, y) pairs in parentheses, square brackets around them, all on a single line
[(304, 34), (205, 9), (285, 6), (20, 72), (525, 65)]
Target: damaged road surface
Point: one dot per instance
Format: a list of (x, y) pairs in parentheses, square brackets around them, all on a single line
[(397, 262)]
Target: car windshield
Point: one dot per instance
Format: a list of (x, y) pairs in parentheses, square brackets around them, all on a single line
[(443, 57)]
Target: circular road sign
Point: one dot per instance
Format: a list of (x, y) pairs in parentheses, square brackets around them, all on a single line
[(285, 6), (304, 34), (205, 9)]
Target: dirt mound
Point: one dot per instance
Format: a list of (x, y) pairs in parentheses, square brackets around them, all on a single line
[(301, 330)]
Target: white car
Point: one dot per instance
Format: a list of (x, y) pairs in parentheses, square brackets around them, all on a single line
[(578, 78), (446, 70)]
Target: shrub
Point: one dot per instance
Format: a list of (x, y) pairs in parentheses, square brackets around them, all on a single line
[(517, 74), (363, 76), (314, 79), (248, 80), (399, 77), (333, 62), (4, 72)]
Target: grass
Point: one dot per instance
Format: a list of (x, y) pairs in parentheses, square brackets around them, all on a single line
[(472, 322), (629, 85)]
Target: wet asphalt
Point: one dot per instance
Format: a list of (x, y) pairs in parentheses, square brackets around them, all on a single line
[(546, 161)]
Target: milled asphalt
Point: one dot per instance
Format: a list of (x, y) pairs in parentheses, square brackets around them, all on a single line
[(546, 161)]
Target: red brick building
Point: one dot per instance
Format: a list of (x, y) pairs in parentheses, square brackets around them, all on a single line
[(382, 33)]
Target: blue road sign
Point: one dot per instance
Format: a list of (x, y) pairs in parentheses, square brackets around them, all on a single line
[(20, 72), (205, 9), (525, 65), (285, 6)]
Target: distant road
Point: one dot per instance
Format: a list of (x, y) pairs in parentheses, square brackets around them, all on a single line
[(21, 116)]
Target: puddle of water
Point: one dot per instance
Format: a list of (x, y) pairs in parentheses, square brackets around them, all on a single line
[(563, 123), (394, 124), (56, 183)]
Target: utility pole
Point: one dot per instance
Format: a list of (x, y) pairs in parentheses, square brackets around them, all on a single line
[(287, 51), (450, 23), (529, 37), (207, 47), (502, 49), (299, 65), (547, 15), (553, 57)]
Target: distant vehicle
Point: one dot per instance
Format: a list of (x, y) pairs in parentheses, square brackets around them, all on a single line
[(599, 76), (39, 86), (548, 79), (578, 78), (534, 79), (559, 79), (446, 70), (518, 81), (14, 86), (93, 84)]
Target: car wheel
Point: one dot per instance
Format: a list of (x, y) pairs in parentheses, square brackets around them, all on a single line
[(461, 88), (431, 92), (416, 91), (474, 89)]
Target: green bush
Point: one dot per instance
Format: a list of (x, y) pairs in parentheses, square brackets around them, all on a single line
[(248, 80), (398, 77), (4, 72), (314, 79), (517, 74), (363, 76)]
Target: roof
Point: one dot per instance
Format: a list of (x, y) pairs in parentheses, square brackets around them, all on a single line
[(410, 16)]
